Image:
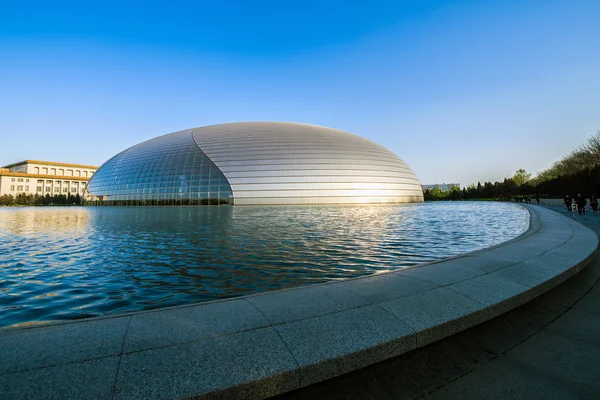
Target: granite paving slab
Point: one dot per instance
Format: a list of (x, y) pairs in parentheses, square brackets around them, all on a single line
[(92, 379), (171, 326), (333, 344), (436, 313), (252, 364), (311, 301), (442, 273), (494, 292), (590, 303), (385, 286), (44, 346), (580, 325)]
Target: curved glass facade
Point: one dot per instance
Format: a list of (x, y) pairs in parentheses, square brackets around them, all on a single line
[(289, 163), (256, 163), (167, 170)]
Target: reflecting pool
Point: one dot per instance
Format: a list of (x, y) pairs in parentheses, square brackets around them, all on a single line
[(60, 263)]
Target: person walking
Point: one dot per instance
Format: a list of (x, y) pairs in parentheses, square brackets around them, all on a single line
[(594, 203), (568, 204), (581, 203)]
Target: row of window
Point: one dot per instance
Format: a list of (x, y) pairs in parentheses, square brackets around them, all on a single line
[(47, 182), (61, 172), (39, 189)]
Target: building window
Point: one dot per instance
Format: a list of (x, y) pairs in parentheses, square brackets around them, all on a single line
[(61, 172), (19, 188), (12, 179), (77, 173), (56, 189), (39, 188), (12, 188), (27, 188), (45, 171), (53, 171), (26, 180), (73, 189), (48, 188), (64, 190), (20, 180), (36, 170)]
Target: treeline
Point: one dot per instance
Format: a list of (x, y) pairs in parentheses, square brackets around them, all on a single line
[(506, 190), (583, 159), (578, 172), (586, 182), (23, 199)]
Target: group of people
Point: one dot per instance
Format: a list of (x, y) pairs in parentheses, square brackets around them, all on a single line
[(578, 204)]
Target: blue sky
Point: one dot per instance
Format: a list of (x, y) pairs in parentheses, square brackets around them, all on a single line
[(463, 91)]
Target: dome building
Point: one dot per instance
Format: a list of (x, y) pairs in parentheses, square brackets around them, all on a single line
[(255, 163)]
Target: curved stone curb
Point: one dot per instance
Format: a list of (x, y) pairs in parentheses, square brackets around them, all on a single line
[(270, 343)]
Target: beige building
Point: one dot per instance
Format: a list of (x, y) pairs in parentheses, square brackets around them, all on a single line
[(44, 177)]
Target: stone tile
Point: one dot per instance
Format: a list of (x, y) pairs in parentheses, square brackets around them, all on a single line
[(579, 324), (481, 264), (44, 346), (443, 273), (590, 303), (491, 290), (502, 379), (516, 252), (290, 305), (333, 344), (166, 327), (436, 314), (385, 286), (251, 364), (93, 379), (578, 251), (596, 289), (534, 275), (559, 261), (569, 362)]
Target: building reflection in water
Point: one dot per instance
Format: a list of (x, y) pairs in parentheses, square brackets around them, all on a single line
[(72, 262)]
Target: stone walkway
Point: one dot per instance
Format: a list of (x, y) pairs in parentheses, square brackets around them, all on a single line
[(548, 348)]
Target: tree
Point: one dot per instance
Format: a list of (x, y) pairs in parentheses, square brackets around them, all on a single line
[(521, 177)]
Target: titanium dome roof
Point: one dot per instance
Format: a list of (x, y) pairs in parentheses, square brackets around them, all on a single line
[(252, 163)]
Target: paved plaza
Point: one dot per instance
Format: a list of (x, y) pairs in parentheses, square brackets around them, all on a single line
[(548, 348)]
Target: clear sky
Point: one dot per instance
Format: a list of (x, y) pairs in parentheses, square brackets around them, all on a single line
[(463, 91)]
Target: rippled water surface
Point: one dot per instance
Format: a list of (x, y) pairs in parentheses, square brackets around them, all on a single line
[(73, 262)]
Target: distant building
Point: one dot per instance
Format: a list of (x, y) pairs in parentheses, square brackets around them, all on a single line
[(44, 177), (442, 186)]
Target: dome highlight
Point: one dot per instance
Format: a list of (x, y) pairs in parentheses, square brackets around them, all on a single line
[(255, 163)]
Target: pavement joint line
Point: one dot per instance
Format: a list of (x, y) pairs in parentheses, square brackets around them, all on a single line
[(399, 319), (571, 337), (280, 338), (56, 365), (114, 388)]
